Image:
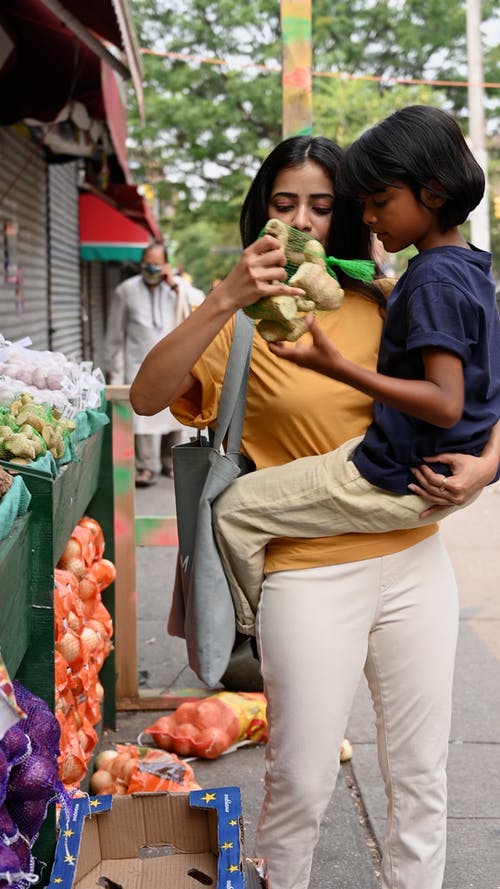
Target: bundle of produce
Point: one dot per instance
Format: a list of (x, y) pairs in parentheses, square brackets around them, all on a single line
[(48, 377), (211, 726), (83, 632), (133, 769), (308, 267), (29, 430), (29, 783)]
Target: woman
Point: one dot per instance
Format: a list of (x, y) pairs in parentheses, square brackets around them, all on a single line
[(330, 607)]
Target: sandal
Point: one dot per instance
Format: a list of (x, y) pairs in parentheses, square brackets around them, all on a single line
[(144, 478)]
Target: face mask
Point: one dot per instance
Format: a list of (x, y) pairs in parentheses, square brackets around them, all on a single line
[(151, 272)]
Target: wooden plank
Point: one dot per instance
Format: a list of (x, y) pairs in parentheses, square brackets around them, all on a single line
[(124, 535), (15, 611), (101, 508), (36, 670), (73, 488), (156, 531)]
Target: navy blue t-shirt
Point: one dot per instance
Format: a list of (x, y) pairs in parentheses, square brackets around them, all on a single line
[(445, 299)]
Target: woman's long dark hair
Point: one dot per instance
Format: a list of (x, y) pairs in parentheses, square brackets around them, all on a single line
[(349, 237)]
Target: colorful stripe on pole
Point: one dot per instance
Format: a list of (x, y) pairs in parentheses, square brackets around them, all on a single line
[(296, 42)]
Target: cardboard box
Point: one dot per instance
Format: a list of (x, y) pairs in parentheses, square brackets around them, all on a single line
[(155, 841)]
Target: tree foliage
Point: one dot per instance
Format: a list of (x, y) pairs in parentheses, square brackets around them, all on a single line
[(210, 123)]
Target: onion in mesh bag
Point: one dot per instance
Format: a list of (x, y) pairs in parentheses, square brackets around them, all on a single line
[(8, 829), (29, 816), (4, 776), (35, 778), (15, 744), (10, 866)]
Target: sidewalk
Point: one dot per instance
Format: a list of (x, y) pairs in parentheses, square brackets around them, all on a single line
[(347, 854)]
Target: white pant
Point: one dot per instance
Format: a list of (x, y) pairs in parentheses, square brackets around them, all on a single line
[(318, 496), (396, 617)]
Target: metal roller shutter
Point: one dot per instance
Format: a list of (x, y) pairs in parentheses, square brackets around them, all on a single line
[(93, 274), (99, 280), (65, 307), (23, 201)]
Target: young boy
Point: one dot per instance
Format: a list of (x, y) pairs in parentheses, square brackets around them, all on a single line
[(437, 386)]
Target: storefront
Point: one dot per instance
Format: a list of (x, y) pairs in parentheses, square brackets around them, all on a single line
[(63, 132)]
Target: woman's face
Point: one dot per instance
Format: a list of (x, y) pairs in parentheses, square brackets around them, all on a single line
[(303, 198)]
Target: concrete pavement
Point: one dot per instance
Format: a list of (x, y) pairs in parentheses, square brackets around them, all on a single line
[(347, 855)]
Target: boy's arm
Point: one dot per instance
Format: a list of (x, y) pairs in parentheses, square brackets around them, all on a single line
[(438, 399)]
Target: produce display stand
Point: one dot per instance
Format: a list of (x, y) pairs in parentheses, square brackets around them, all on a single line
[(28, 556), (30, 552)]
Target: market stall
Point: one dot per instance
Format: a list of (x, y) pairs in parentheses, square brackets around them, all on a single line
[(55, 449)]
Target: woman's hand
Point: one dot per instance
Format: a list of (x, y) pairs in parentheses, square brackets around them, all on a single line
[(469, 476), (260, 272)]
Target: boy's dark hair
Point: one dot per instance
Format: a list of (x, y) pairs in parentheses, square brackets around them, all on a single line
[(420, 146), (349, 237)]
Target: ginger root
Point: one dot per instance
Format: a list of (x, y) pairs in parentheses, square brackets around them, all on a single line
[(275, 331), (279, 317), (5, 481)]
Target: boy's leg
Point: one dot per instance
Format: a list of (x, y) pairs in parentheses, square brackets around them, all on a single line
[(319, 496), (261, 505)]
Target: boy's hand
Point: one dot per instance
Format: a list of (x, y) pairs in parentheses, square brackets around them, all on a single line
[(321, 355)]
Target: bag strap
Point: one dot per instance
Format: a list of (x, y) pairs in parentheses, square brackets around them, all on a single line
[(233, 395), (235, 430)]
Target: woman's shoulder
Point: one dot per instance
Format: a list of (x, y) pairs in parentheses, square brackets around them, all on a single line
[(386, 285)]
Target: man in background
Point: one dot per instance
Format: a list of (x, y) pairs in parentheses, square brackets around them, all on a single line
[(143, 310)]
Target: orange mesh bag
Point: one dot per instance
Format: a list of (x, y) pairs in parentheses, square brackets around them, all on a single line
[(103, 572), (71, 558), (207, 728), (97, 532), (87, 543), (158, 771), (135, 769), (69, 645), (72, 765)]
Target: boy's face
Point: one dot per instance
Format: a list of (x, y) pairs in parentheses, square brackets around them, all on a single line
[(398, 219)]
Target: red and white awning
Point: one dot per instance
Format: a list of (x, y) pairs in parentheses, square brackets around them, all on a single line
[(108, 235)]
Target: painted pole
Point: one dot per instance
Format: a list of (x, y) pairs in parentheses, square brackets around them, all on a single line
[(296, 43), (479, 218)]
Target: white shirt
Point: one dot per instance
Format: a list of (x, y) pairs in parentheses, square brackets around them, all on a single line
[(139, 317)]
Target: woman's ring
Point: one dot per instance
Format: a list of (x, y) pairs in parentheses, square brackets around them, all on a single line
[(442, 486)]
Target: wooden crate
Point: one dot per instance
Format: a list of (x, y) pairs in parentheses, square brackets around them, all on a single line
[(15, 593)]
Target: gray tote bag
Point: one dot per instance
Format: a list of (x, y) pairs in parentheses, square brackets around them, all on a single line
[(202, 610)]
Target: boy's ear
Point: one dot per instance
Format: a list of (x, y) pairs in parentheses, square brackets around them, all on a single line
[(433, 195)]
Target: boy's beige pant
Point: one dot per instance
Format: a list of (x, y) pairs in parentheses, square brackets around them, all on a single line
[(396, 618), (319, 496)]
